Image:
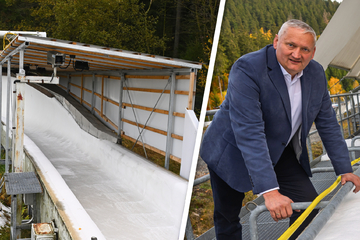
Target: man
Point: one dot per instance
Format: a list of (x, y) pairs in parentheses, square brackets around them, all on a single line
[(257, 140)]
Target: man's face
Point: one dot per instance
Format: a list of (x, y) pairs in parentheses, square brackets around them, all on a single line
[(294, 50)]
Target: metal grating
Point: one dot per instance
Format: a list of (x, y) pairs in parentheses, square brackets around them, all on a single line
[(267, 227), (22, 183)]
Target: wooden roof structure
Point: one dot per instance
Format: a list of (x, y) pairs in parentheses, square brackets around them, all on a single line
[(98, 58)]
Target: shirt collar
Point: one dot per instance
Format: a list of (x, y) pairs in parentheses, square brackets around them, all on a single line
[(287, 75)]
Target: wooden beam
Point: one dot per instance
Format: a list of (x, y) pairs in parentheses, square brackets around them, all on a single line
[(86, 103), (82, 88), (107, 99), (148, 77), (109, 77), (102, 96), (73, 84), (191, 90), (146, 108), (106, 119), (75, 96), (62, 87), (176, 114), (155, 90), (162, 132)]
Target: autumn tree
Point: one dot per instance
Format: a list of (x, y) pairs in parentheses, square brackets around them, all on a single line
[(334, 86)]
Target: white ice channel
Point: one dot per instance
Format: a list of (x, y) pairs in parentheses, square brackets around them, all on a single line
[(105, 190)]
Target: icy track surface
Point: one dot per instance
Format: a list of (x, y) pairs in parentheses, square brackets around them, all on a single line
[(126, 196)]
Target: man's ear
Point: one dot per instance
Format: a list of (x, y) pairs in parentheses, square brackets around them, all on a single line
[(276, 40), (313, 53)]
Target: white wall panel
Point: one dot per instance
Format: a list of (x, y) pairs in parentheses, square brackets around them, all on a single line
[(142, 98)]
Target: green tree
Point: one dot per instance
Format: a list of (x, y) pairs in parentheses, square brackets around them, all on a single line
[(101, 22)]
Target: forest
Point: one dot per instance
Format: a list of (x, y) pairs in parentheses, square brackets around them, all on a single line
[(249, 25), (173, 28)]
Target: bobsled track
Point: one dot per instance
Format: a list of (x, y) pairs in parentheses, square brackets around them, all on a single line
[(100, 189)]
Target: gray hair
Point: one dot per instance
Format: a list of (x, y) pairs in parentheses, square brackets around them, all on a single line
[(296, 24)]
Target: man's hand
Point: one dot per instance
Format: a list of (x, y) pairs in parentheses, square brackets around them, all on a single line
[(350, 177), (278, 205)]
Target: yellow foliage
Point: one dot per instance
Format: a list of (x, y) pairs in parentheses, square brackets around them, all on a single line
[(335, 86), (355, 84), (266, 35)]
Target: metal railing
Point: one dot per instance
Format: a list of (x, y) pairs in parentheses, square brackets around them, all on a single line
[(347, 110)]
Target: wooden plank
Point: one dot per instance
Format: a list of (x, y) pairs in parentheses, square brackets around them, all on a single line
[(177, 114), (146, 127), (73, 84), (107, 99), (94, 60), (75, 96), (173, 135), (106, 119), (147, 77), (191, 90), (155, 90), (111, 101), (172, 157), (102, 56), (87, 90), (82, 89), (182, 77), (81, 75), (62, 87), (164, 77), (86, 103), (153, 129), (109, 121), (102, 96), (146, 108), (110, 77)]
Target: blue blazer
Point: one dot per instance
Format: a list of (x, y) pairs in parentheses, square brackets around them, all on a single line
[(250, 131)]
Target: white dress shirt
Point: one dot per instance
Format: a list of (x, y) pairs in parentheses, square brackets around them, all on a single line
[(294, 90)]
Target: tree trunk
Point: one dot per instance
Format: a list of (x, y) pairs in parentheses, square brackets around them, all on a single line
[(177, 28)]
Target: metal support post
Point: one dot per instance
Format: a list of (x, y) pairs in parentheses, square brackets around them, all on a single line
[(170, 124), (353, 112), (340, 116), (68, 85), (18, 126), (18, 134), (309, 149), (189, 230), (347, 115), (13, 231), (93, 94), (7, 144), (120, 107)]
